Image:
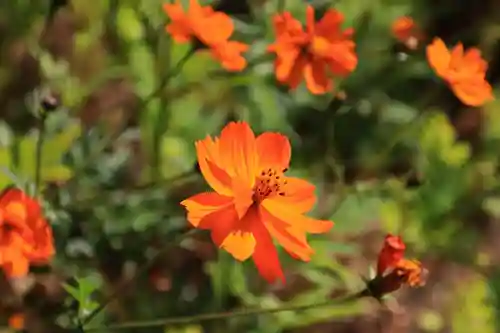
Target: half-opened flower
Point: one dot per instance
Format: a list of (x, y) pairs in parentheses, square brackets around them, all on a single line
[(253, 200), (395, 271), (464, 71), (211, 28), (316, 54)]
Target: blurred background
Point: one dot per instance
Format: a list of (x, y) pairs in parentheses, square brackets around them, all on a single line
[(392, 150)]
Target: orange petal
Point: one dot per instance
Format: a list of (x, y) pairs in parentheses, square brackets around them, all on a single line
[(229, 55), (284, 212), (438, 57), (179, 27), (243, 196), (237, 144), (299, 194), (209, 161), (274, 151), (241, 243), (310, 20), (296, 73), (293, 240), (221, 222), (200, 205), (475, 61), (15, 213), (17, 264), (285, 63), (174, 11), (215, 28), (343, 59), (316, 79), (473, 93), (330, 25), (265, 255)]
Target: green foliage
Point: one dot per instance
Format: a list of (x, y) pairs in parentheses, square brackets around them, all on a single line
[(112, 186)]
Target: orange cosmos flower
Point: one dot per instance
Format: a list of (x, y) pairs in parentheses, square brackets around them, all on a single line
[(16, 321), (25, 236), (407, 32), (213, 29), (394, 271), (464, 71), (253, 201), (309, 54)]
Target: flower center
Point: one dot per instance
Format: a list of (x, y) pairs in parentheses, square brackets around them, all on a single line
[(269, 182), (319, 46)]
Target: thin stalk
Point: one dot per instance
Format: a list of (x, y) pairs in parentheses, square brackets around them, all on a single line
[(224, 315), (39, 152)]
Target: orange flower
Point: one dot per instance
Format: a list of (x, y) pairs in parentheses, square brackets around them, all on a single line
[(213, 29), (308, 54), (253, 201), (464, 71), (25, 236), (394, 271), (391, 253), (407, 32), (16, 321)]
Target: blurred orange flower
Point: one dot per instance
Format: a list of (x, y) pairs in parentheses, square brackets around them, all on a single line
[(253, 201), (392, 251), (464, 71), (407, 32), (16, 321), (26, 238), (213, 29), (394, 271), (309, 54)]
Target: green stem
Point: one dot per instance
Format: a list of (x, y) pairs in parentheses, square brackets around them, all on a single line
[(173, 72), (224, 315), (38, 153)]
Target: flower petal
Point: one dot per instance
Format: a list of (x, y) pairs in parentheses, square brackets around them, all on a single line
[(330, 25), (316, 79), (473, 92), (285, 63), (215, 28), (438, 57), (210, 160), (200, 205), (243, 196), (229, 55), (274, 151), (221, 223), (237, 145), (294, 218), (299, 194), (391, 253), (239, 244), (265, 255), (296, 73), (293, 240), (179, 27)]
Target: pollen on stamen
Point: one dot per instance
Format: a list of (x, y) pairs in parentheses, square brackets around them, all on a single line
[(268, 183)]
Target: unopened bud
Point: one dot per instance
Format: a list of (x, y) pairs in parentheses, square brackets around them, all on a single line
[(50, 103)]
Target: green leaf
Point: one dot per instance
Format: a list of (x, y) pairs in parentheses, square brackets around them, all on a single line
[(128, 25)]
